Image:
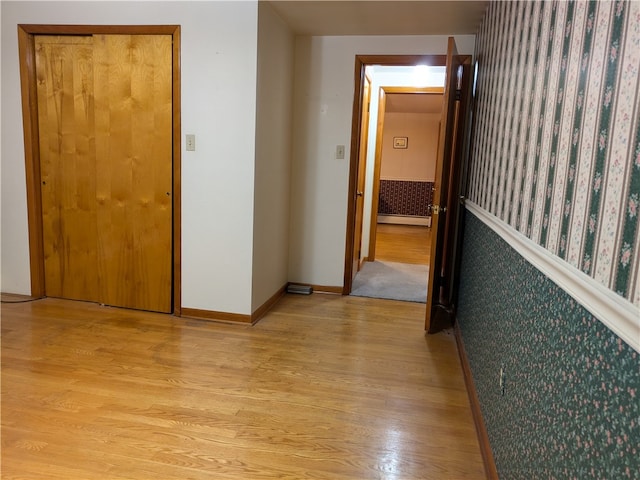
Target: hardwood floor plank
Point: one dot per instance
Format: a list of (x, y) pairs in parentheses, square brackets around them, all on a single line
[(323, 387), (403, 243)]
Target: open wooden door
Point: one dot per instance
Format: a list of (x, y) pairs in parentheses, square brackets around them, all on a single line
[(438, 309), (375, 195), (362, 168)]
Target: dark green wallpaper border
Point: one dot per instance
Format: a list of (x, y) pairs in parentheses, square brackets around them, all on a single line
[(570, 407)]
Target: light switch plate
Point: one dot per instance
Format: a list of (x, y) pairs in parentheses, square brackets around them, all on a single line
[(191, 142)]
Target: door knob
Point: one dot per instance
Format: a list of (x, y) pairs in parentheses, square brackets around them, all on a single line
[(359, 194), (437, 209)]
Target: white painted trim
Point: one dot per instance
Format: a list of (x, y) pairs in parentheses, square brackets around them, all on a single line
[(617, 313)]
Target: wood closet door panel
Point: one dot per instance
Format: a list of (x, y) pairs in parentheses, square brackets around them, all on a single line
[(133, 122), (64, 70)]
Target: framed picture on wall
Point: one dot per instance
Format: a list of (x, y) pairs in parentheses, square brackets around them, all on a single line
[(400, 142)]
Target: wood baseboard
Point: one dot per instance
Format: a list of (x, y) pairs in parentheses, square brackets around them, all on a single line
[(17, 298), (236, 317), (200, 314), (268, 305), (320, 288), (328, 289), (483, 437)]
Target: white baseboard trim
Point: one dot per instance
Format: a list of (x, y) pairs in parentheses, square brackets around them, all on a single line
[(617, 313), (403, 220)]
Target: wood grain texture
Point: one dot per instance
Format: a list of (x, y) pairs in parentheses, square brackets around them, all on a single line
[(29, 97), (64, 69), (323, 387), (177, 169), (201, 314), (362, 170), (44, 29), (28, 81), (260, 312), (375, 195), (446, 141), (329, 289), (134, 160), (403, 243)]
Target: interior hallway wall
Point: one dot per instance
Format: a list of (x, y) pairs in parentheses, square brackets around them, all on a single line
[(323, 102), (570, 405), (218, 64), (273, 156), (417, 162), (556, 166), (557, 148), (407, 174)]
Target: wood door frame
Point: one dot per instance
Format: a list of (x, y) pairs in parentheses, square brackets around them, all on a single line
[(361, 62), (384, 91), (26, 52), (365, 116)]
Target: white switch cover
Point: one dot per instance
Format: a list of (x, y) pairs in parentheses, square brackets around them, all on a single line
[(191, 142), (340, 152)]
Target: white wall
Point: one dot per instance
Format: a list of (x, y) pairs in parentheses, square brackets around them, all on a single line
[(273, 156), (218, 64), (219, 71), (323, 101)]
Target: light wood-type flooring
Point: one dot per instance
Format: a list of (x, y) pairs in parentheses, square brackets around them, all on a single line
[(403, 243), (323, 387)]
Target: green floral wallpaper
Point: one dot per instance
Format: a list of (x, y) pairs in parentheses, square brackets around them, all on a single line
[(556, 148), (570, 403), (555, 155)]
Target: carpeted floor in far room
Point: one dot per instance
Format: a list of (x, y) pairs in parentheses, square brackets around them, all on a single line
[(392, 281)]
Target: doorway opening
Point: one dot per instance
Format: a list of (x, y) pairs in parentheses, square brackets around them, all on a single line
[(397, 161), (443, 208), (404, 134)]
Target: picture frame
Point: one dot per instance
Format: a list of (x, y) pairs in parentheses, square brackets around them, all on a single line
[(400, 142)]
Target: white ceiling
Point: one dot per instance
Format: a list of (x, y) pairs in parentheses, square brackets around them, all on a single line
[(382, 17)]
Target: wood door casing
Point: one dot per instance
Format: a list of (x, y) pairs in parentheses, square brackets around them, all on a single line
[(124, 93), (362, 167), (375, 195), (361, 62), (375, 200)]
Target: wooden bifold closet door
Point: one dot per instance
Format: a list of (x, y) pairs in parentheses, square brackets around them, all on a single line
[(105, 135)]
